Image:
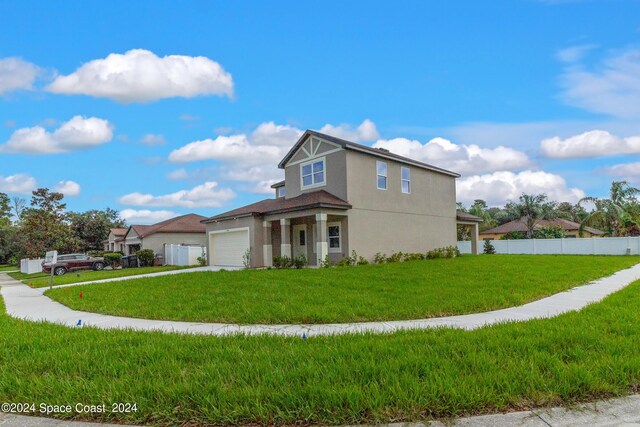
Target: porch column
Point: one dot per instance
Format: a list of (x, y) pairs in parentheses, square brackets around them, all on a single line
[(474, 239), (267, 248), (322, 247), (285, 234)]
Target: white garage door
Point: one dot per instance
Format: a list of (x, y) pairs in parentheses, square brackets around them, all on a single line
[(229, 247)]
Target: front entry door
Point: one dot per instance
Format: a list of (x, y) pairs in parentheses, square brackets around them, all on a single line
[(300, 240)]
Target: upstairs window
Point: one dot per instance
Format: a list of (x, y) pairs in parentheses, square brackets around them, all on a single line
[(280, 191), (312, 173), (381, 170), (406, 180)]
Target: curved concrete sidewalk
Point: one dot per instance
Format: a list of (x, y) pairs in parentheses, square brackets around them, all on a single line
[(23, 302), (141, 276), (623, 411)]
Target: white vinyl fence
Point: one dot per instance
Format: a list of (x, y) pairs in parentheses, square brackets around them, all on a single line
[(183, 255), (577, 246), (30, 266)]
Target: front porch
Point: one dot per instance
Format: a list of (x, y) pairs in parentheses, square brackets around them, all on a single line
[(312, 235)]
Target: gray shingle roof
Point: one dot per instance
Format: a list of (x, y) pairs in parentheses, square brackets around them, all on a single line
[(364, 149)]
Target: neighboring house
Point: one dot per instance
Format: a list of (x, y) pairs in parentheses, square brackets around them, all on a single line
[(115, 241), (571, 228), (182, 230), (339, 197)]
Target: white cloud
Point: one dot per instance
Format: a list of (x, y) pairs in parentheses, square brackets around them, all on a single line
[(140, 76), (17, 74), (626, 170), (271, 134), (226, 148), (68, 188), (574, 53), (365, 132), (612, 88), (594, 143), (253, 157), (78, 133), (152, 140), (178, 174), (18, 183), (144, 216), (205, 195), (458, 158), (499, 187)]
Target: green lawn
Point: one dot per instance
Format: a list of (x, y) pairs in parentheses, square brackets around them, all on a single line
[(5, 267), (410, 290), (39, 280), (406, 376)]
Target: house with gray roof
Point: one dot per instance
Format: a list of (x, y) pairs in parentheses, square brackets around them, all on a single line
[(338, 197), (185, 230)]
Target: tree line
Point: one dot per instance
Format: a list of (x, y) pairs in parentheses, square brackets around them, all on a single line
[(617, 216), (45, 224)]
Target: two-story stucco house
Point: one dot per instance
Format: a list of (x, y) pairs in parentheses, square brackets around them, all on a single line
[(338, 196)]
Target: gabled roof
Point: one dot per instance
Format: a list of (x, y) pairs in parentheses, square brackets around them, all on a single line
[(348, 145), (313, 199), (278, 184), (520, 225), (118, 232), (190, 223), (463, 216)]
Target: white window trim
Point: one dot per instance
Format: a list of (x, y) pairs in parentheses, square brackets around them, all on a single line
[(403, 180), (278, 194), (386, 176), (338, 249), (324, 173)]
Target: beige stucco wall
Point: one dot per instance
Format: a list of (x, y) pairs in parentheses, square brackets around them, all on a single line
[(157, 241), (255, 236), (335, 173), (389, 220)]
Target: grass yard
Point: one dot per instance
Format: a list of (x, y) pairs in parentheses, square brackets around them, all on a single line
[(405, 376), (411, 290), (39, 280), (5, 267)]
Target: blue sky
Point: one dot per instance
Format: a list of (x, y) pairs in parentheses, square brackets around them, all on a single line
[(159, 108)]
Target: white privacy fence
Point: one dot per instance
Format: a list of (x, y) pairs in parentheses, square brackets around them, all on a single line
[(577, 246), (30, 266), (183, 255)]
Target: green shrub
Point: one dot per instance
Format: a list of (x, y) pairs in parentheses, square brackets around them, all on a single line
[(488, 247), (146, 257), (96, 253), (299, 261), (282, 261), (202, 260), (326, 262), (112, 258), (379, 258), (344, 262), (550, 232), (394, 257), (362, 260), (246, 259), (414, 257), (451, 252), (514, 235)]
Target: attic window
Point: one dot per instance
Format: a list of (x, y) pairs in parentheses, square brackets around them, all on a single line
[(280, 191), (312, 173)]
